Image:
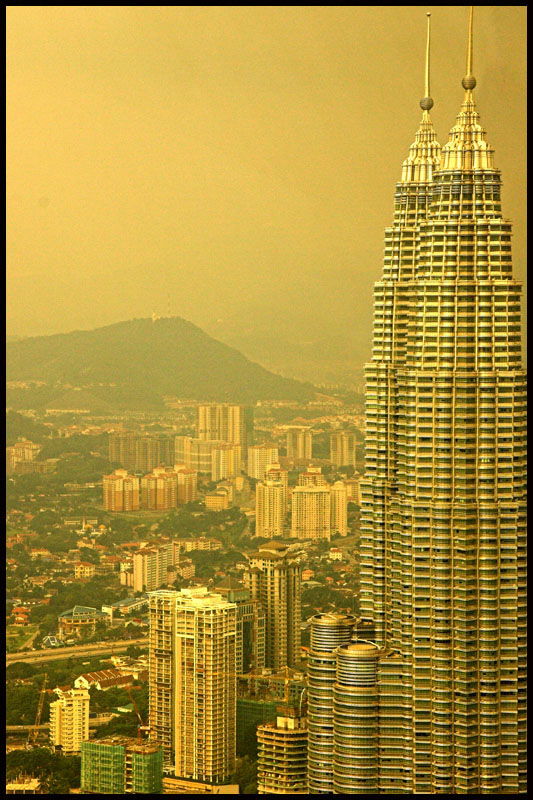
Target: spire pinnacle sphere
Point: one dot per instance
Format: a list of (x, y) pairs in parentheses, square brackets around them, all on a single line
[(426, 104), (469, 82)]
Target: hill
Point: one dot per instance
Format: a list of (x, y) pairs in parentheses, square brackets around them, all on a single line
[(134, 365)]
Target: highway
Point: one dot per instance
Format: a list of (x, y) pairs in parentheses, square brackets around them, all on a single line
[(77, 651)]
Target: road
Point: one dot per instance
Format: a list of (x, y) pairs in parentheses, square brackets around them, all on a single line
[(62, 653)]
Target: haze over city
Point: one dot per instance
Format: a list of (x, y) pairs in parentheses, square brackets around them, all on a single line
[(232, 166)]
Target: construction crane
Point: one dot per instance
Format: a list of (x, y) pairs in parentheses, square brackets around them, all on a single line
[(142, 726), (34, 732)]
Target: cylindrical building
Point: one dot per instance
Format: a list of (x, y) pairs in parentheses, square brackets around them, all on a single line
[(355, 719), (328, 632)]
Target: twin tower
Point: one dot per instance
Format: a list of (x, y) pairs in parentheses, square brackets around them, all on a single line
[(433, 701)]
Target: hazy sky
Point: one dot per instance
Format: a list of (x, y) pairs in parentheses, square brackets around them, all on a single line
[(231, 159)]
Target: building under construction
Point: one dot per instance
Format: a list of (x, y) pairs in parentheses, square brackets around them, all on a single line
[(282, 754), (119, 765)]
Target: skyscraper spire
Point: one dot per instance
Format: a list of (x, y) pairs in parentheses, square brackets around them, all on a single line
[(427, 102), (424, 153), (469, 82), (467, 148)]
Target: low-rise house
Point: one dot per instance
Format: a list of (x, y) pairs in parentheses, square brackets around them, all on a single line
[(79, 619)]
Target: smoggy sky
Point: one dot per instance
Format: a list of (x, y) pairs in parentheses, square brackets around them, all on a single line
[(214, 160)]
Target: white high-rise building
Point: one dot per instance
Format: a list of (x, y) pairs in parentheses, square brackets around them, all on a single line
[(69, 720), (339, 508), (225, 461), (260, 456), (311, 512), (269, 513), (192, 663), (299, 442)]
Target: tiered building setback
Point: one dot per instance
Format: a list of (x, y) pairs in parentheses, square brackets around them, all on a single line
[(443, 530)]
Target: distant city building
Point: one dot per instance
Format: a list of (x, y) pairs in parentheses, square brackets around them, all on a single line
[(226, 422), (159, 489), (84, 570), (198, 543), (192, 657), (69, 720), (150, 566), (141, 452), (312, 477), (20, 455), (299, 442), (269, 509), (24, 784), (194, 453), (282, 754), (353, 488), (79, 621), (121, 491), (187, 484), (261, 456), (339, 508), (250, 639), (118, 765), (217, 501), (274, 472), (225, 461), (274, 578), (311, 512), (342, 446)]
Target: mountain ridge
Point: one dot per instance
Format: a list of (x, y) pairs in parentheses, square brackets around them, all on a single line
[(144, 360)]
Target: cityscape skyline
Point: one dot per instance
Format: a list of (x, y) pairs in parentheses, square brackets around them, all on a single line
[(211, 594)]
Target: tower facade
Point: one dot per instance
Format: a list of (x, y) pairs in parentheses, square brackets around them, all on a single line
[(274, 578), (443, 527), (311, 512), (226, 422), (342, 449), (269, 509), (192, 665)]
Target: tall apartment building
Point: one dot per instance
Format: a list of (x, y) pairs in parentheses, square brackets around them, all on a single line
[(194, 453), (274, 472), (69, 720), (299, 442), (122, 449), (192, 665), (312, 477), (328, 632), (339, 508), (118, 765), (121, 491), (342, 446), (269, 509), (311, 512), (226, 422), (225, 461), (20, 454), (159, 489), (141, 452), (353, 488), (187, 484), (443, 525), (261, 456), (250, 638), (274, 578), (150, 566), (282, 754)]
